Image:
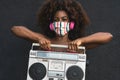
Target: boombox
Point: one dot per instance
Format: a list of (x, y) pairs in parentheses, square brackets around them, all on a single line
[(56, 65)]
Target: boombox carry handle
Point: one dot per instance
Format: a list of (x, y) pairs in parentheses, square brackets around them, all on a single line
[(80, 48), (58, 46)]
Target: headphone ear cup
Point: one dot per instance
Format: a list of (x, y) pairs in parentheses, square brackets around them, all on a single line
[(51, 26), (72, 25)]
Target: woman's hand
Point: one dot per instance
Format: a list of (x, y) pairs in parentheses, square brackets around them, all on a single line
[(73, 46), (45, 43)]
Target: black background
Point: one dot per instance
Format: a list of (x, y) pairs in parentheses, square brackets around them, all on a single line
[(104, 60)]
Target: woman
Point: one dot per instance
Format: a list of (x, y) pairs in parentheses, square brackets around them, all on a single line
[(63, 22)]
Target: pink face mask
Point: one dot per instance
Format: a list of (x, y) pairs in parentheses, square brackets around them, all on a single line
[(61, 28)]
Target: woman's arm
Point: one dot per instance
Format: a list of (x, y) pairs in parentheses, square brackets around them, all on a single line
[(92, 41), (26, 33), (23, 32), (96, 39)]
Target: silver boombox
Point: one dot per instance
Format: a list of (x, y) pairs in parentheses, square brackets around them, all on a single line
[(56, 65)]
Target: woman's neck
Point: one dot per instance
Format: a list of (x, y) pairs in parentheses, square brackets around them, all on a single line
[(61, 39)]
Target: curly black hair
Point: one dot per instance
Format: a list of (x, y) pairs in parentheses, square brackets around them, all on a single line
[(74, 10)]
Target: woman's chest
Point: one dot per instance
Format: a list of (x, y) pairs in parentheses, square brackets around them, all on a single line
[(61, 45), (61, 42)]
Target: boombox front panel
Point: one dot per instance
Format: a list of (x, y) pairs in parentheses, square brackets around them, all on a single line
[(49, 65)]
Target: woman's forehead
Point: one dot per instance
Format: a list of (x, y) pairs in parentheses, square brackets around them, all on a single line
[(60, 13)]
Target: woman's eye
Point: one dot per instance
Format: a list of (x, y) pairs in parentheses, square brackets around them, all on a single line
[(64, 19), (61, 19), (56, 19)]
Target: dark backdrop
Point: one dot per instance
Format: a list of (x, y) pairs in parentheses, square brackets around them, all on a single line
[(103, 61)]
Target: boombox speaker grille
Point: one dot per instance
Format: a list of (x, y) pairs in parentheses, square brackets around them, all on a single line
[(37, 71), (74, 73)]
